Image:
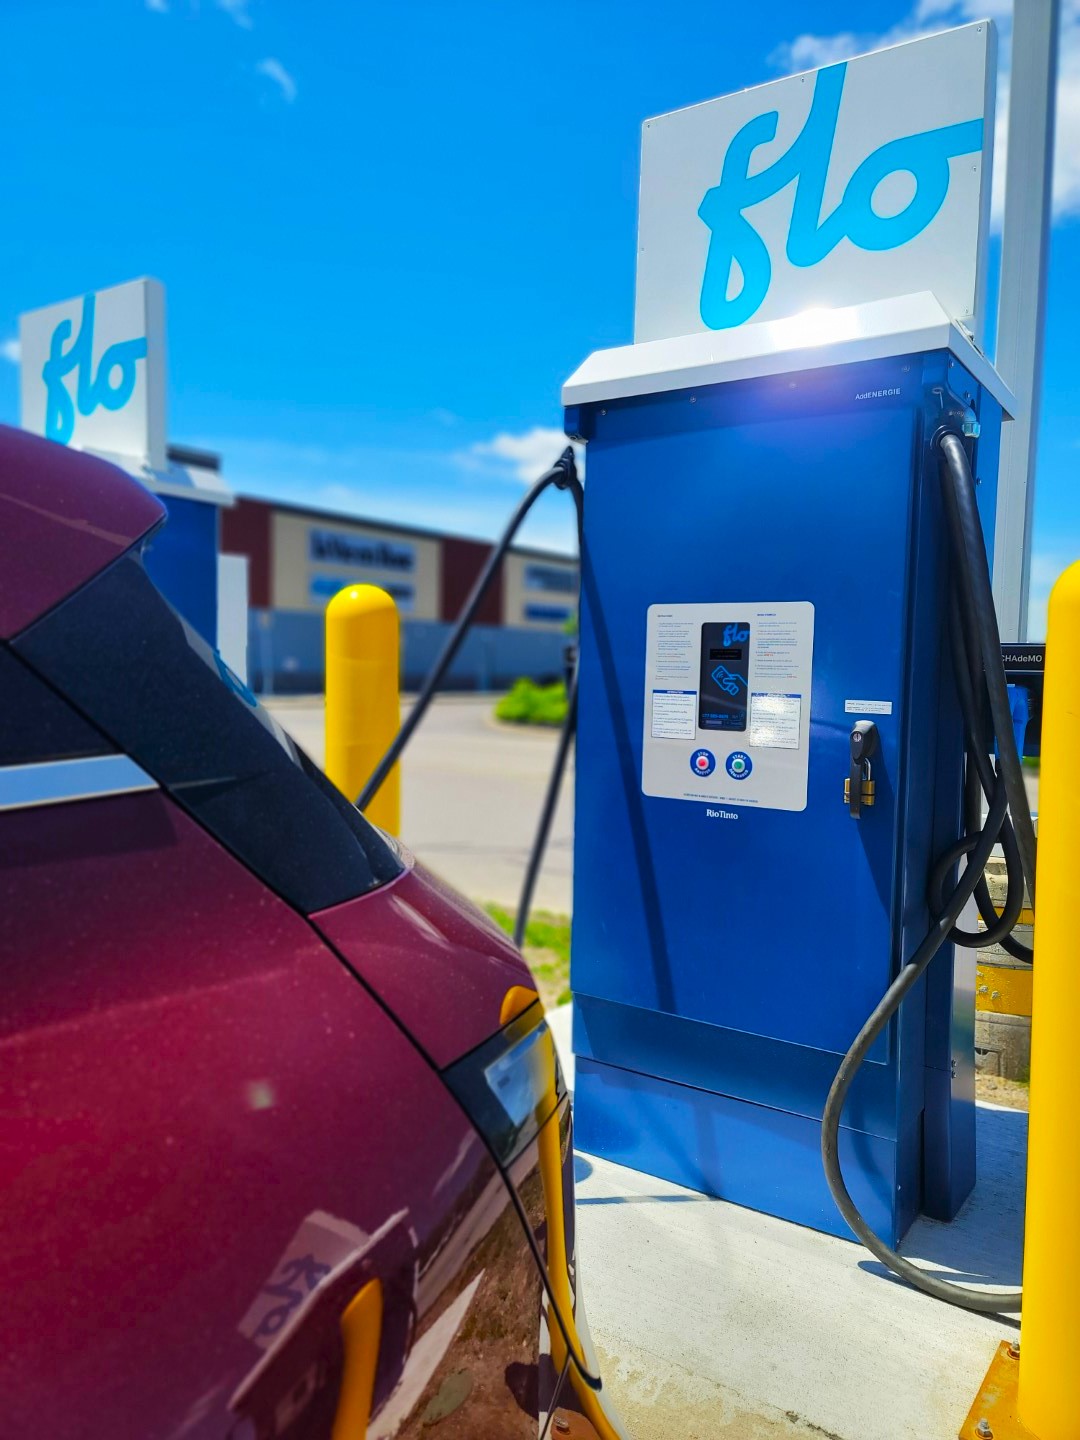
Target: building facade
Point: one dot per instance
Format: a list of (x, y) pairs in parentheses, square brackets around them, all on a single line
[(298, 559)]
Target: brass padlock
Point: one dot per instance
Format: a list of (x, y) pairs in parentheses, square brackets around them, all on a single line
[(867, 790)]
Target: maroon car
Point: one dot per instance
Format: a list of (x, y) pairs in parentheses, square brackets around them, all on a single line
[(285, 1148)]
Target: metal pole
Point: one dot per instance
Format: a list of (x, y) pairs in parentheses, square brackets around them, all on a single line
[(363, 705), (1049, 1395), (1022, 295)]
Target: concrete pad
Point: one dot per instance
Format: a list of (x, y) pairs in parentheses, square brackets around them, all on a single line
[(715, 1321)]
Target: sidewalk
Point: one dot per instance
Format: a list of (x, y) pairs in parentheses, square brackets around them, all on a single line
[(716, 1323)]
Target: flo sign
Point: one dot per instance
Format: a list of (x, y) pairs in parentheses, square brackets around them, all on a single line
[(857, 182), (93, 371)]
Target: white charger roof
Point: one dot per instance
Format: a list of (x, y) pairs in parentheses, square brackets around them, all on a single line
[(876, 330), (184, 479)]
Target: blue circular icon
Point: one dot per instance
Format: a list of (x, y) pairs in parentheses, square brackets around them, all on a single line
[(703, 762), (738, 765)]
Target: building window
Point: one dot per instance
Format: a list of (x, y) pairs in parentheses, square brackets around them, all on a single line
[(323, 588), (551, 614), (551, 577)]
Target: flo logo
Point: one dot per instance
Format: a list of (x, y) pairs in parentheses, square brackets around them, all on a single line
[(111, 385), (735, 242)]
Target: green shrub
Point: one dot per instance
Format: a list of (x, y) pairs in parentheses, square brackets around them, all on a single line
[(532, 704)]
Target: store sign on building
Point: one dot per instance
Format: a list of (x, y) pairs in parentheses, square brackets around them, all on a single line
[(856, 182), (366, 552), (93, 372)]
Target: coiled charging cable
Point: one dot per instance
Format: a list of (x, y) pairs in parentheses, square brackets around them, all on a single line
[(980, 681)]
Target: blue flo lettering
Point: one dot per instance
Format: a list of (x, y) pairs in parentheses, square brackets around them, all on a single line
[(305, 1269), (734, 240), (735, 634), (91, 390)]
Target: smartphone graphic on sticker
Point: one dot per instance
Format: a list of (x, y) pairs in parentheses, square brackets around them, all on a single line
[(725, 675)]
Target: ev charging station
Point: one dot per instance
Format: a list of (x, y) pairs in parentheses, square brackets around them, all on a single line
[(93, 372), (770, 740)]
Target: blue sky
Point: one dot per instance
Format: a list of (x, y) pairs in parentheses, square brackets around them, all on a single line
[(389, 231)]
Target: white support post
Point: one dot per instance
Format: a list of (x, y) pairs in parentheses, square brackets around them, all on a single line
[(1022, 295)]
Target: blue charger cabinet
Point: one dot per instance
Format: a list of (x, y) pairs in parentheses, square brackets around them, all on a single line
[(724, 957), (182, 558)]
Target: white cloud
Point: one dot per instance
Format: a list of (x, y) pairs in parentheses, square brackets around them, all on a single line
[(237, 10), (956, 11), (11, 350), (522, 457), (1067, 138), (810, 50), (274, 70)]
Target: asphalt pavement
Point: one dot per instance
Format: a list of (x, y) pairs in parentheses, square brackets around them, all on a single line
[(471, 796)]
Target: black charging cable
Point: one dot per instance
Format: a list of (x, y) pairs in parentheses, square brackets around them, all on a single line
[(973, 630), (563, 476), (980, 680)]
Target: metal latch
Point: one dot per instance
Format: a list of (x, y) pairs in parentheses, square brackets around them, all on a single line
[(859, 787)]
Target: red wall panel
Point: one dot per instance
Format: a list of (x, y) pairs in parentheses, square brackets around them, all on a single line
[(245, 530), (462, 561)]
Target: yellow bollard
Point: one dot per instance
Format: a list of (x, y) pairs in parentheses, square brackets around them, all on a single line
[(363, 711), (361, 1331), (1049, 1395)]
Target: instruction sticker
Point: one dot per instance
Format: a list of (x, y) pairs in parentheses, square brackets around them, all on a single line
[(775, 721), (727, 702), (673, 714), (868, 707)]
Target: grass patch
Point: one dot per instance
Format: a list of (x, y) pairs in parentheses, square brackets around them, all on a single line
[(1015, 1094), (532, 704), (546, 950)]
